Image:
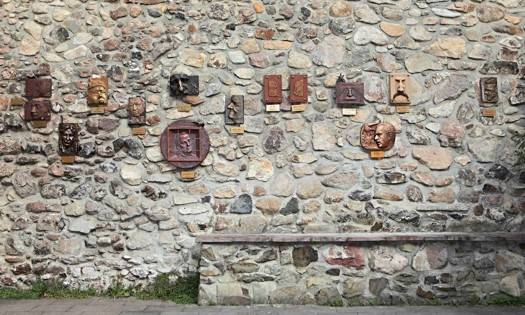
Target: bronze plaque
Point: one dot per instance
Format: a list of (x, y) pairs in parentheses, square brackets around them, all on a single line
[(181, 85), (399, 89), (488, 112), (378, 136), (298, 89), (97, 91), (136, 111), (37, 110), (273, 86), (347, 93), (489, 89), (185, 144), (68, 139), (235, 110), (38, 88)]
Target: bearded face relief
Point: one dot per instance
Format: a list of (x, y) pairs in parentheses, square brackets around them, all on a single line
[(378, 136), (399, 89), (184, 143), (97, 91), (235, 110), (136, 111), (37, 110), (181, 85), (68, 138), (489, 89)]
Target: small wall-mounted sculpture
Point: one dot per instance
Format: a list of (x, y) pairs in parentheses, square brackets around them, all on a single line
[(489, 90), (273, 94), (182, 85), (136, 111), (235, 110), (38, 112), (68, 143), (400, 90), (37, 88), (185, 144), (348, 93), (97, 98), (298, 89), (377, 137)]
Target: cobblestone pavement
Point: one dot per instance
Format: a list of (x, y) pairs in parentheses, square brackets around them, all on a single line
[(99, 306)]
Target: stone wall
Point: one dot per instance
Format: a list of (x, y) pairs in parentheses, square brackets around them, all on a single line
[(121, 213)]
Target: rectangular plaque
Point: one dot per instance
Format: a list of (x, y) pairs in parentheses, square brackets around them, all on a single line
[(400, 89), (188, 174), (298, 89), (402, 109), (67, 159), (184, 107), (37, 110), (377, 154), (237, 129), (97, 110), (347, 93), (298, 107), (39, 123), (273, 108), (234, 111), (139, 131), (273, 86), (489, 89), (349, 111), (38, 88), (488, 112)]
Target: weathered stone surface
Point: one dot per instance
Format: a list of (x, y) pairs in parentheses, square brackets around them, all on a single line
[(275, 140), (132, 174), (387, 260), (348, 256), (260, 169), (330, 52), (420, 62), (489, 13), (304, 256), (434, 256), (323, 136), (484, 149), (309, 187), (369, 34), (433, 157), (452, 47)]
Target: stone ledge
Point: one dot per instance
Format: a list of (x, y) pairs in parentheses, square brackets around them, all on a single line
[(361, 237)]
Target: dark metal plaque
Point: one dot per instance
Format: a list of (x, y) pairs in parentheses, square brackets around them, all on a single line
[(68, 139), (273, 86), (378, 136), (399, 89), (38, 88), (347, 93), (136, 111), (298, 89), (181, 85), (98, 91), (37, 110), (489, 89), (185, 144), (235, 110)]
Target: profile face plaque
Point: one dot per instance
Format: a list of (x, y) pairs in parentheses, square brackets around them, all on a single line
[(235, 110), (185, 144), (378, 136), (273, 89), (97, 91), (347, 93), (68, 139), (38, 112), (399, 89), (181, 85), (136, 111), (489, 89), (36, 88), (298, 89)]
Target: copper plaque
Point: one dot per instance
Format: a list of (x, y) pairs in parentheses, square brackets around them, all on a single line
[(136, 111), (489, 89), (273, 89), (185, 144), (68, 139), (181, 85), (347, 93), (235, 110), (37, 110), (399, 89), (97, 91), (378, 136), (38, 88), (298, 89)]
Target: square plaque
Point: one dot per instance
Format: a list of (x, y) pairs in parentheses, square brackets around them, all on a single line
[(489, 89), (400, 89), (347, 93), (273, 89), (37, 110), (181, 85), (38, 88), (185, 144), (298, 89)]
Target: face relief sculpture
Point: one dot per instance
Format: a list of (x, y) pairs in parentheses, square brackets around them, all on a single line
[(348, 93), (181, 85), (399, 89), (136, 111), (378, 136), (235, 110), (98, 91), (489, 90), (68, 138), (184, 143), (37, 110)]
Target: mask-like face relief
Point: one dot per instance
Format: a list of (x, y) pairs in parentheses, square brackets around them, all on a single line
[(68, 138), (489, 90), (136, 107), (98, 91), (378, 136), (399, 89), (181, 85), (185, 143), (37, 110)]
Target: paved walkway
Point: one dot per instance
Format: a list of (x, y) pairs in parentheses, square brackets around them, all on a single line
[(99, 306)]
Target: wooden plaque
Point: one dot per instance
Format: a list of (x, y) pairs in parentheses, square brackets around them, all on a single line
[(488, 112), (273, 86), (402, 109), (377, 154), (97, 110), (184, 107), (39, 123), (139, 131), (298, 89), (67, 159), (188, 174), (237, 129), (298, 107)]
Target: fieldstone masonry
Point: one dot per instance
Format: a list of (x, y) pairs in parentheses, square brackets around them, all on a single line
[(121, 213)]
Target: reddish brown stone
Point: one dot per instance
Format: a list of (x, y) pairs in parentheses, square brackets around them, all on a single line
[(118, 13), (350, 256), (22, 269), (36, 207), (298, 89), (264, 33)]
